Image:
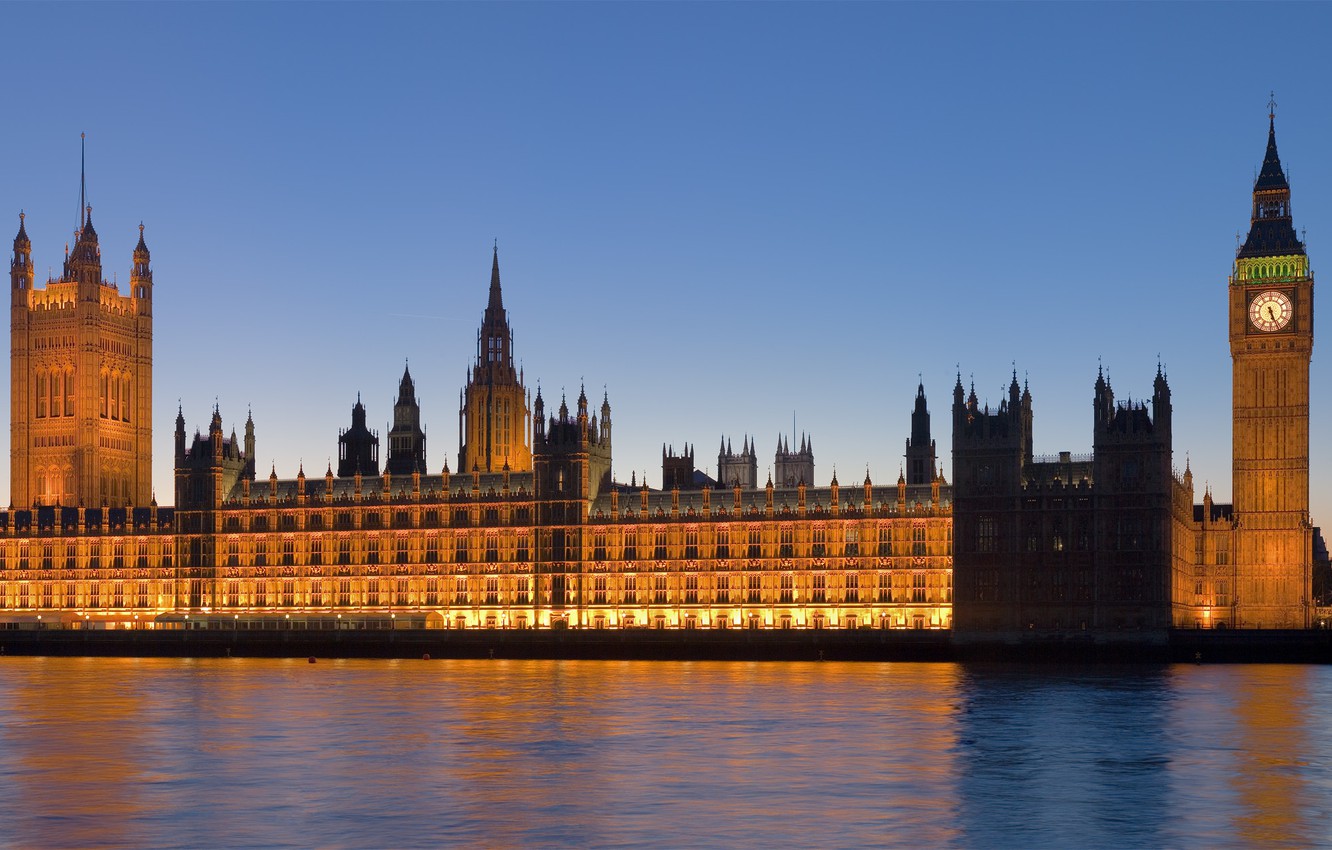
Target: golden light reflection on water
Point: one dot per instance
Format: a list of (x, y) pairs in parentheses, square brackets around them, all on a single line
[(1273, 749), (230, 752)]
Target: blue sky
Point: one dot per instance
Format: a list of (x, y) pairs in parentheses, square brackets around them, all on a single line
[(728, 215)]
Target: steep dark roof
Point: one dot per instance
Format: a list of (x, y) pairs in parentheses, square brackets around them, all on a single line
[(1272, 230), (1271, 237), (1271, 177)]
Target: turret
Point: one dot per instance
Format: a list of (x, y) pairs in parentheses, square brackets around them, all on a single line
[(1025, 422), (358, 446), (1103, 399), (539, 417), (84, 263), (677, 471), (249, 445), (20, 267), (739, 470), (920, 449), (141, 275), (794, 467), (180, 435), (406, 438), (1161, 409), (582, 413)]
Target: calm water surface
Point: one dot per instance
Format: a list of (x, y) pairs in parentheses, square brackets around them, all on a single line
[(261, 753)]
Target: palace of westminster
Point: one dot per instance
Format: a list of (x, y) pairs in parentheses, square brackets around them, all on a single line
[(531, 530)]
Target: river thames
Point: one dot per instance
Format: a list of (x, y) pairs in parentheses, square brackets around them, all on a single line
[(263, 753)]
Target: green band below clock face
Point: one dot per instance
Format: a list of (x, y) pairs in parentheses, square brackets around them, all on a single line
[(1270, 311)]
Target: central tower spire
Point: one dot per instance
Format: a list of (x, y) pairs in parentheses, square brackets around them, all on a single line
[(494, 419)]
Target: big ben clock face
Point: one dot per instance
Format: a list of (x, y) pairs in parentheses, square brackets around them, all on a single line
[(1270, 311)]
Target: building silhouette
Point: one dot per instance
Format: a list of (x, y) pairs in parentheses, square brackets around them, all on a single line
[(1113, 541), (407, 442), (1065, 542), (358, 446)]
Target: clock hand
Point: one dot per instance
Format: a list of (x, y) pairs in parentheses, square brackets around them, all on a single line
[(1269, 313)]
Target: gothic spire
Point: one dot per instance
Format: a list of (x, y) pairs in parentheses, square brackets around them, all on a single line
[(496, 301), (406, 387), (1272, 176), (21, 241), (1271, 228)]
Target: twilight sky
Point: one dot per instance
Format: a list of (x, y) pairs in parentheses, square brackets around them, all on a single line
[(728, 215)]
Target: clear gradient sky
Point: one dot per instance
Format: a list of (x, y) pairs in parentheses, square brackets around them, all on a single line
[(728, 215)]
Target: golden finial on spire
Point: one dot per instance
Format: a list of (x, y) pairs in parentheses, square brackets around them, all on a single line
[(1271, 105)]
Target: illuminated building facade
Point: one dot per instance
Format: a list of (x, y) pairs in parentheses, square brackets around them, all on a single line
[(535, 533), (1271, 344), (533, 530), (81, 379), (494, 422)]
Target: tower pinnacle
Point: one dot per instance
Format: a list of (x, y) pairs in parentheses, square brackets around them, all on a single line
[(1271, 229)]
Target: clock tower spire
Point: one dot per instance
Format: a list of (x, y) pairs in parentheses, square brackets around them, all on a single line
[(1270, 297)]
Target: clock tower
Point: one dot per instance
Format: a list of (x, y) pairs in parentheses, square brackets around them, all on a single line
[(1271, 342)]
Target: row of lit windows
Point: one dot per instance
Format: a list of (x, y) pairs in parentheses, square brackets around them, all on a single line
[(92, 555), (92, 594), (755, 589), (373, 517), (377, 512), (493, 549)]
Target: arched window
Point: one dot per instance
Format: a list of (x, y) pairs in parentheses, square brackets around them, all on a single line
[(41, 395)]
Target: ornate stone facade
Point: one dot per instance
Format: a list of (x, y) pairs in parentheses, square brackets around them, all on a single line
[(81, 379), (533, 530)]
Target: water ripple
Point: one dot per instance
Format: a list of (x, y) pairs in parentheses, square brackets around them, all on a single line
[(264, 753)]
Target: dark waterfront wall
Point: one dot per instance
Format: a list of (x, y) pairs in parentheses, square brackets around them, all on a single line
[(649, 644)]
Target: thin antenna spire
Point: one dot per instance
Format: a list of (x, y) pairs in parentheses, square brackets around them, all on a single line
[(83, 180)]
